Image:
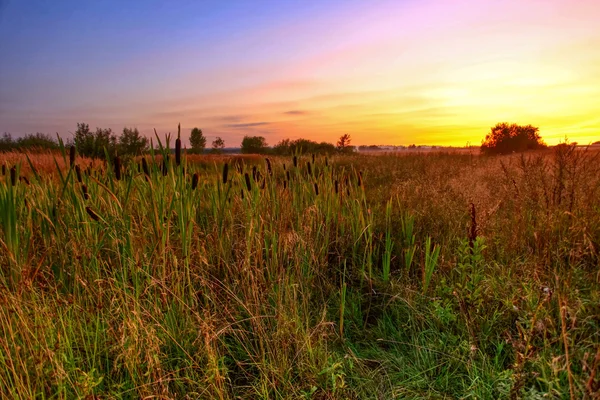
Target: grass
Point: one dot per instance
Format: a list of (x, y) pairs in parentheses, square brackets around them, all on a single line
[(349, 277)]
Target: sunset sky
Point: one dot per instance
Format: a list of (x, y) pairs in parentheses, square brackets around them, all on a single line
[(386, 72)]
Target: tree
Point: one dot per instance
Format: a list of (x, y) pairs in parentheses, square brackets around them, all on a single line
[(131, 143), (93, 144), (218, 145), (197, 141), (6, 142), (505, 138), (343, 144), (254, 145), (37, 141)]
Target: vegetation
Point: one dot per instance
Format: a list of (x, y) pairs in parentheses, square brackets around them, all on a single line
[(302, 146), (197, 141), (37, 141), (218, 145), (95, 144), (505, 138), (418, 276), (254, 145), (343, 143), (131, 143)]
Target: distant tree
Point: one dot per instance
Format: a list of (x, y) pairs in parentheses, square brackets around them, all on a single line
[(197, 141), (412, 146), (254, 145), (93, 144), (302, 146), (343, 143), (506, 138), (38, 140), (218, 145), (131, 143), (6, 142), (598, 142)]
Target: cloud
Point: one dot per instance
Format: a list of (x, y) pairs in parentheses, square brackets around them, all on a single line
[(296, 112), (246, 125)]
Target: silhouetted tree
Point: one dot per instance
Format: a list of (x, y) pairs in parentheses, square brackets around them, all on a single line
[(302, 146), (93, 144), (6, 142), (254, 145), (218, 145), (197, 141), (506, 138), (343, 143), (38, 140), (131, 143)]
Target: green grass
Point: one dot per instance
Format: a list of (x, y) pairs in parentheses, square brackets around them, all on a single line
[(337, 284)]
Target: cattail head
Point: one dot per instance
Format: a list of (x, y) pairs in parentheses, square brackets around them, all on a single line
[(295, 162), (316, 189), (254, 173), (13, 176), (145, 166), (225, 172), (284, 166), (248, 184), (92, 214), (3, 169), (287, 175), (335, 185), (326, 162), (117, 167), (313, 157), (178, 151), (359, 182), (284, 184), (72, 151), (473, 229), (24, 180), (269, 170), (242, 193), (195, 178), (78, 173), (84, 190), (308, 168)]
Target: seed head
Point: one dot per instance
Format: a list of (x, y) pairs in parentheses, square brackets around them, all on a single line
[(72, 156), (195, 181), (13, 176), (248, 185), (178, 151), (78, 172), (3, 169), (24, 179), (269, 170), (225, 172), (84, 189), (145, 167), (117, 167), (92, 214), (308, 168), (335, 184), (316, 189), (295, 162)]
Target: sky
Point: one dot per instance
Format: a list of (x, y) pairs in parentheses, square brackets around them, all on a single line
[(430, 72)]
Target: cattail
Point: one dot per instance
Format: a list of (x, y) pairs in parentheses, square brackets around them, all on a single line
[(92, 214), (316, 189), (359, 183), (84, 189), (145, 167), (3, 170), (269, 170), (326, 162), (295, 162), (473, 230), (178, 151), (139, 168), (284, 184), (308, 168), (287, 175), (117, 167), (242, 193), (72, 156), (24, 179), (284, 166), (225, 172), (313, 157), (254, 173), (13, 176), (335, 184), (78, 173), (248, 185), (263, 185)]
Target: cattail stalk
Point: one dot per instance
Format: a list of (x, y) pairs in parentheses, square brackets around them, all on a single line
[(473, 229)]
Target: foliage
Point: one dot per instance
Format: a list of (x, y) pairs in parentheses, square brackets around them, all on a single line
[(131, 143), (343, 143), (254, 145), (302, 146), (505, 138), (218, 145), (94, 144), (197, 141), (37, 141)]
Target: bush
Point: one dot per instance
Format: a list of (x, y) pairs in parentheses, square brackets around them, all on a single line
[(254, 145), (505, 138)]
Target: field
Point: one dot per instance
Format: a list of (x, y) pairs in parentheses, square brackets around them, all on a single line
[(437, 275)]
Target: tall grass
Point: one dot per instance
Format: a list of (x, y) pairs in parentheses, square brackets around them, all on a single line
[(300, 278)]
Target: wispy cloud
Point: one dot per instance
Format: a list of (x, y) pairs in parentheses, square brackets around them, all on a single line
[(246, 125), (296, 112)]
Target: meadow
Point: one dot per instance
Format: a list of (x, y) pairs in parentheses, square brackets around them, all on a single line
[(437, 275)]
